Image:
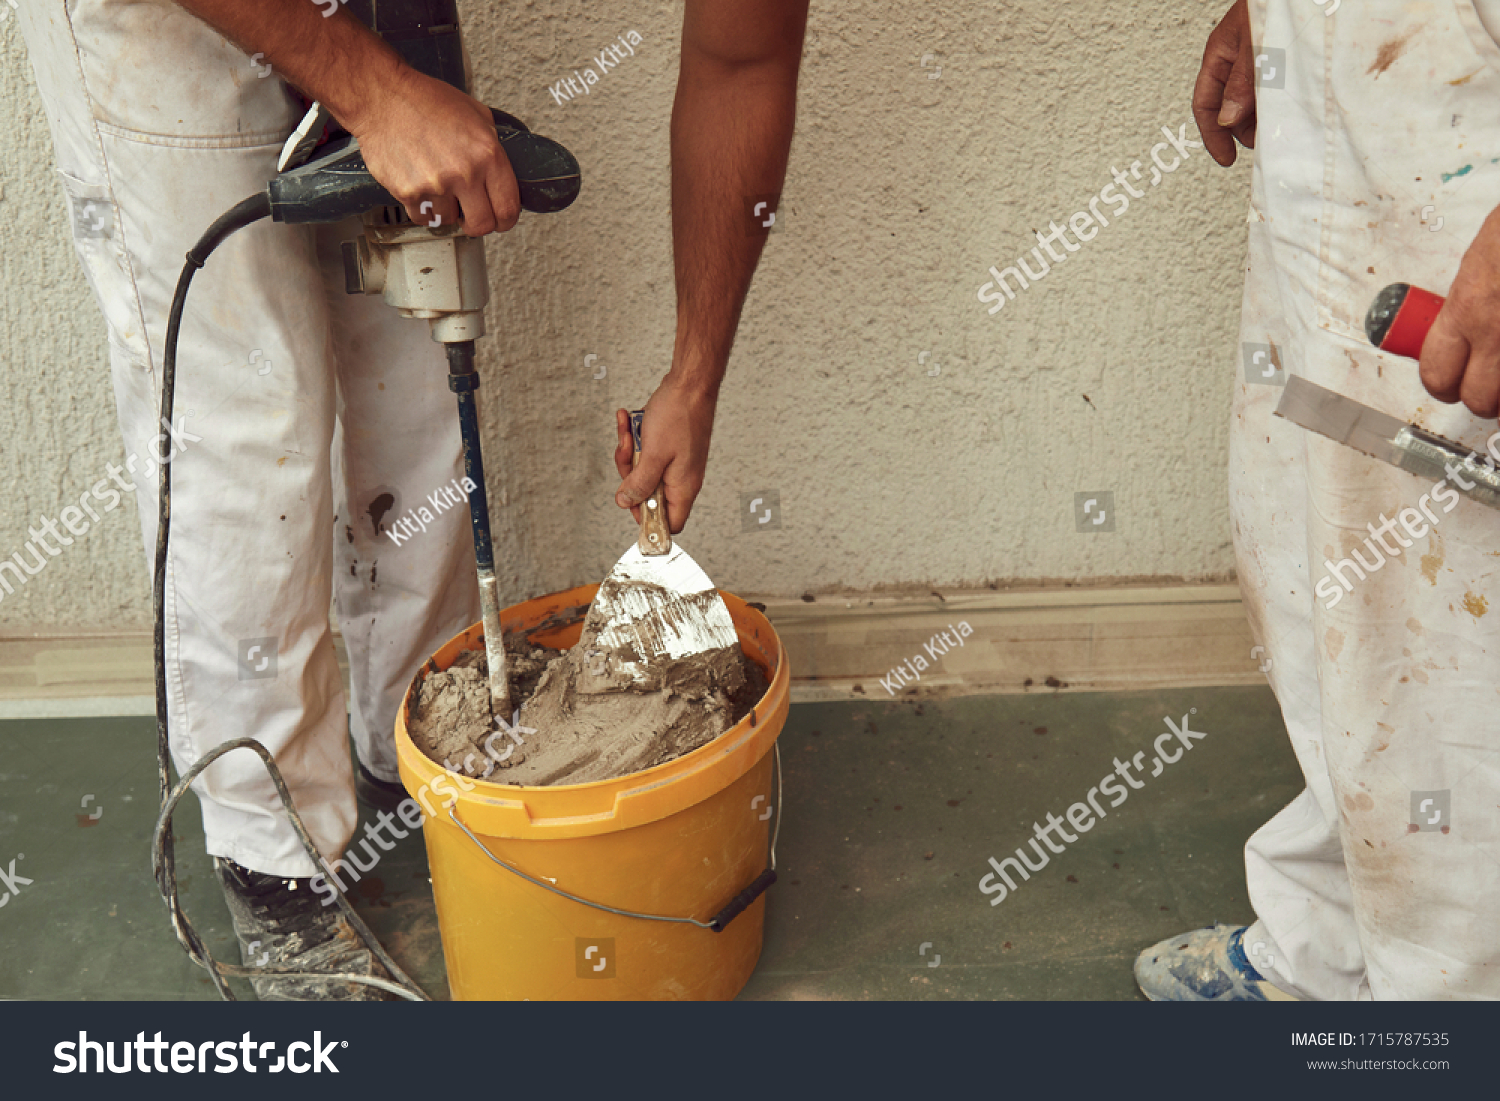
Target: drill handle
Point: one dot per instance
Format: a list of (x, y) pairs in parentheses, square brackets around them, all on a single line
[(337, 184), (548, 175)]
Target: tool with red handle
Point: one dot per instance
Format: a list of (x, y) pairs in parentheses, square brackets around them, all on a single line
[(1397, 322), (1399, 318)]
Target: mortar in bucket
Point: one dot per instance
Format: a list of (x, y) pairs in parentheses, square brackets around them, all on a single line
[(688, 839)]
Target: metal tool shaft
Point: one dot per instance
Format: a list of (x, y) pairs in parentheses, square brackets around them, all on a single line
[(1389, 439), (463, 380)]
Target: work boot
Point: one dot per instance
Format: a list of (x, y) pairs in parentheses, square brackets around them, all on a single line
[(282, 922), (376, 793), (1206, 965)]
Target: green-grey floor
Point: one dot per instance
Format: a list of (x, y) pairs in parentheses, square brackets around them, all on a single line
[(892, 809)]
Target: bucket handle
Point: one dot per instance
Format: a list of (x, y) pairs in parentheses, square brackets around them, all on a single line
[(740, 902), (717, 923)]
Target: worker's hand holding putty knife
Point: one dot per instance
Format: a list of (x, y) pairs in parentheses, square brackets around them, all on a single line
[(657, 607), (681, 425), (1461, 355), (1398, 322)]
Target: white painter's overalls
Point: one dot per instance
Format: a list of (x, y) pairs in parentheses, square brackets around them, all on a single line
[(320, 414), (1377, 158)]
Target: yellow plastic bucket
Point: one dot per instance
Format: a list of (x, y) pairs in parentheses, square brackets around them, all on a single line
[(689, 838)]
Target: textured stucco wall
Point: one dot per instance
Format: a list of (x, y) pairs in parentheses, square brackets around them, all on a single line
[(932, 139)]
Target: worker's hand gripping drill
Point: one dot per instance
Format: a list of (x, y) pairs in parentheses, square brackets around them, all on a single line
[(466, 172)]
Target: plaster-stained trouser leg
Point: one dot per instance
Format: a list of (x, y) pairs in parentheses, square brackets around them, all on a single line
[(1306, 940), (159, 126), (1388, 683), (396, 448)]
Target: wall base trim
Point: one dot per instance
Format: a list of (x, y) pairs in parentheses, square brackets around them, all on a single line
[(1108, 639)]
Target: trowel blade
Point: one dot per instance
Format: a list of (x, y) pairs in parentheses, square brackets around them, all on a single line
[(1410, 447), (659, 606), (1341, 419)]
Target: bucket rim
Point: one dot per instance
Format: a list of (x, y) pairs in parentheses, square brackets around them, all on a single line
[(597, 806)]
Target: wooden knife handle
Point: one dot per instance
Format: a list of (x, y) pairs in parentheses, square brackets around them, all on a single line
[(655, 539)]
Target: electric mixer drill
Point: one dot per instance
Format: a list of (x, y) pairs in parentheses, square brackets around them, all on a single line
[(432, 271)]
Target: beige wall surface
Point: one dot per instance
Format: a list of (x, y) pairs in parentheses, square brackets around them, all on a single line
[(902, 434)]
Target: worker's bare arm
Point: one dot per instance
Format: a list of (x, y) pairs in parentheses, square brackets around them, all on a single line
[(336, 60), (422, 139), (1224, 95), (731, 134)]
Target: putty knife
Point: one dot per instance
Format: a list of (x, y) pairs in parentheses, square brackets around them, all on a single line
[(657, 603), (1397, 322)]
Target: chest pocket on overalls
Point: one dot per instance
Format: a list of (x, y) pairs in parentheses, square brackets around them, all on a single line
[(1412, 153)]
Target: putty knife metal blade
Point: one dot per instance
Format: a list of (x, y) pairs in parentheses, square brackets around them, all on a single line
[(665, 607), (1384, 437), (1341, 419)]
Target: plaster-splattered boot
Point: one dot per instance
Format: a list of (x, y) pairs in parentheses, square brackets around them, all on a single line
[(1206, 965), (281, 922)]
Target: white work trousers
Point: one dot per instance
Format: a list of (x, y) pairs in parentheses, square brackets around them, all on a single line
[(1377, 158), (318, 416)]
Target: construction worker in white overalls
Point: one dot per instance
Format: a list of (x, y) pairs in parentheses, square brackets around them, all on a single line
[(1377, 160)]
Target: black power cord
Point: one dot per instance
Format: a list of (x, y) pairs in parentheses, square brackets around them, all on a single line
[(163, 857)]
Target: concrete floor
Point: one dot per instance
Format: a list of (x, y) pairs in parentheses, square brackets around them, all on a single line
[(891, 811)]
